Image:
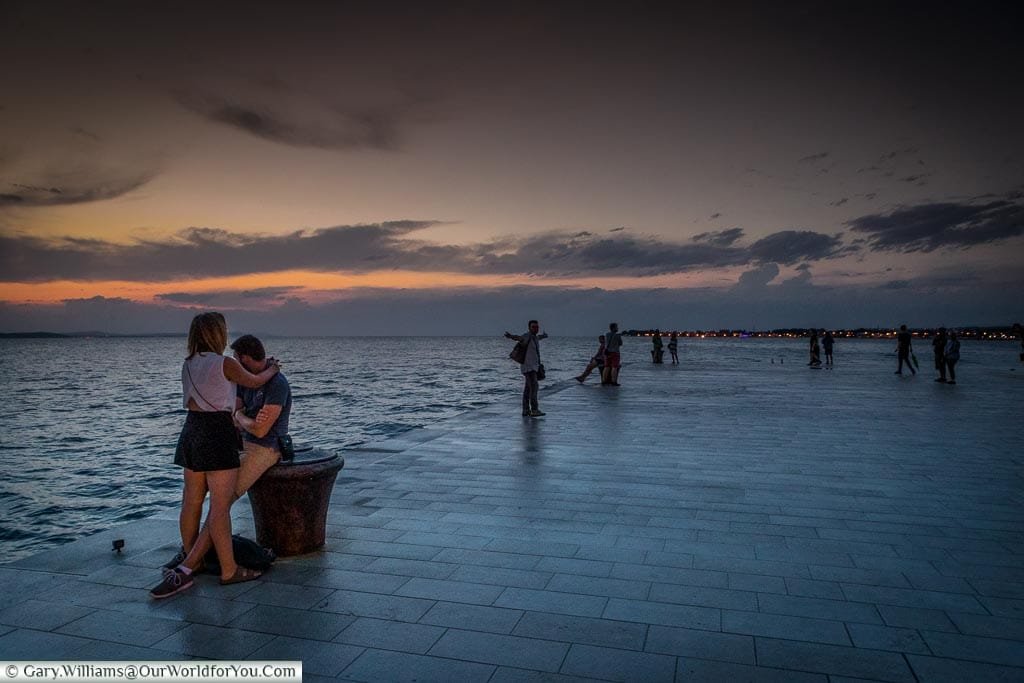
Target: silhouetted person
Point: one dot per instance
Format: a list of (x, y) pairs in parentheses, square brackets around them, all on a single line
[(952, 355), (815, 350), (612, 359), (596, 361), (827, 342), (530, 367), (1019, 331), (903, 351), (939, 347), (656, 350), (673, 347)]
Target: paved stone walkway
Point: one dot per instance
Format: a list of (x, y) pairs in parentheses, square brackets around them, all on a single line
[(767, 523)]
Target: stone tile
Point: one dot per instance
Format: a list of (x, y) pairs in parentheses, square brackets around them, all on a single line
[(295, 623), (1003, 607), (564, 565), (873, 637), (692, 669), (833, 660), (781, 626), (839, 610), (618, 665), (100, 650), (197, 609), (975, 648), (401, 667), (912, 598), (984, 625), (520, 578), (420, 568), (450, 591), (41, 616), (492, 648), (362, 581), (686, 577), (810, 588), (644, 612), (684, 642), (284, 595), (916, 618), (391, 635), (762, 567), (486, 558), (756, 583), (390, 607), (591, 585), (443, 540), (318, 658), (548, 601), (405, 551), (704, 597), (473, 617), (939, 670), (544, 548), (506, 674), (25, 645), (584, 630), (130, 629), (214, 642)]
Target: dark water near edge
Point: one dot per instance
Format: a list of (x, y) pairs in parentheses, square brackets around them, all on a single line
[(88, 426)]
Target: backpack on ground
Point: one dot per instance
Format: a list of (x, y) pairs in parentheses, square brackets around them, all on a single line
[(248, 554)]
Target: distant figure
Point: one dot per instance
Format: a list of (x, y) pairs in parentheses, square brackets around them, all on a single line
[(903, 351), (612, 360), (828, 341), (939, 347), (1019, 331), (673, 348), (596, 361), (815, 349), (262, 415), (656, 351), (530, 367), (952, 355), (207, 451)]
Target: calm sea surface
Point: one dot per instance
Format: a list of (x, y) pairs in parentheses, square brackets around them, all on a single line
[(88, 426)]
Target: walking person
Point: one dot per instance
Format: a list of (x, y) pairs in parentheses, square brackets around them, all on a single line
[(612, 358), (939, 349), (815, 350), (904, 351), (207, 449), (952, 356), (827, 342), (596, 361), (1019, 332), (673, 347), (531, 367)]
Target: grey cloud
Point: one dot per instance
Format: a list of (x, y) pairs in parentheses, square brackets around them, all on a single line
[(57, 192), (946, 225), (721, 238), (758, 277), (839, 202), (814, 157), (715, 215), (370, 128), (209, 252), (231, 298), (790, 246)]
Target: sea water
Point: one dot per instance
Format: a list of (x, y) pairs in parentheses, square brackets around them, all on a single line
[(88, 426)]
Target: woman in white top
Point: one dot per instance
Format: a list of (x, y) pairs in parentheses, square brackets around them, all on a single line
[(207, 448)]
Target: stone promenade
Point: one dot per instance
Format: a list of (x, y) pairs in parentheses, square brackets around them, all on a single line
[(767, 523)]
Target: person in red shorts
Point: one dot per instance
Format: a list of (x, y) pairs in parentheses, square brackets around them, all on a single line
[(612, 360)]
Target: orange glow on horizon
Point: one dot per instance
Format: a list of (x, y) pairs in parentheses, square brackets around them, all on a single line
[(317, 287)]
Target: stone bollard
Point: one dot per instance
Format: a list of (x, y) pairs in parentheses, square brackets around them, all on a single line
[(290, 501)]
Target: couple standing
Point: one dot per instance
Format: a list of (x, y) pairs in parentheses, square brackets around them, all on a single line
[(608, 359), (224, 396)]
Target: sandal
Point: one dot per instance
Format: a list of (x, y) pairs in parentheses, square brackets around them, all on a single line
[(241, 575)]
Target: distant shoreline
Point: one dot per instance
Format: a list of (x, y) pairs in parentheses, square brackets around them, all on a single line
[(988, 333)]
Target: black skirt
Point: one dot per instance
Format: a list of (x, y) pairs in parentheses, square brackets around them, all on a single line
[(208, 442)]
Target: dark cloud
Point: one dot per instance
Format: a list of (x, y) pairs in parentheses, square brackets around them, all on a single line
[(758, 277), (839, 202), (814, 157), (92, 187), (231, 298), (324, 128), (715, 215), (790, 246), (721, 238), (946, 225)]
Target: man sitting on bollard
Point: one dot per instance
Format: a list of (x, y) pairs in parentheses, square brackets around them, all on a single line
[(262, 417)]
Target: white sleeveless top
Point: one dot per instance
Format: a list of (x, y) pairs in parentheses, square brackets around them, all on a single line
[(203, 380)]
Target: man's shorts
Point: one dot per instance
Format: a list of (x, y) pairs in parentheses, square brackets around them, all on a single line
[(611, 359)]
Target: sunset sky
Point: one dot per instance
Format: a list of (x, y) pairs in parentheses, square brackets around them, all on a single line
[(437, 168)]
